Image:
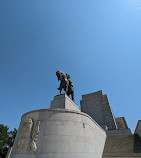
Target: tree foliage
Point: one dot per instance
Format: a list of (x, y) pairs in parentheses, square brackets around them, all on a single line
[(6, 139)]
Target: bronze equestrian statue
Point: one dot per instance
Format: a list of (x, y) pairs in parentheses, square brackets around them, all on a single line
[(65, 84)]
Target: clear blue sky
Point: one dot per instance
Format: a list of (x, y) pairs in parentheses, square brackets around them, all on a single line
[(98, 42)]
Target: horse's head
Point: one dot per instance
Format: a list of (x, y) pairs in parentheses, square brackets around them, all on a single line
[(60, 75)]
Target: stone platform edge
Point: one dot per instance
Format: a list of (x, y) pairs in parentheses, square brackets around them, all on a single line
[(64, 110)]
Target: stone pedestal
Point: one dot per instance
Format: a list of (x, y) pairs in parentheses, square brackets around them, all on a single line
[(60, 132), (63, 102)]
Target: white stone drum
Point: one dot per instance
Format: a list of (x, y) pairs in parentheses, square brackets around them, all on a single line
[(58, 133)]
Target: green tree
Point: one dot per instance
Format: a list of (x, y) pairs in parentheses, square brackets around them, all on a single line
[(6, 139)]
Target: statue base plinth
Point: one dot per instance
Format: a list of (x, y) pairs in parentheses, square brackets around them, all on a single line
[(63, 102), (59, 132)]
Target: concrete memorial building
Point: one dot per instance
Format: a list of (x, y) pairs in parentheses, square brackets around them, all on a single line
[(120, 142), (63, 131)]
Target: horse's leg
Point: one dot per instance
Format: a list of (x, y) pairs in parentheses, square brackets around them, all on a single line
[(72, 96), (60, 90), (68, 93), (66, 89)]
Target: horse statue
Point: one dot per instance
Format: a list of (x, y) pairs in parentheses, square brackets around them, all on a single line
[(65, 84)]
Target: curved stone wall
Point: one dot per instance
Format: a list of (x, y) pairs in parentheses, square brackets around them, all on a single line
[(58, 133)]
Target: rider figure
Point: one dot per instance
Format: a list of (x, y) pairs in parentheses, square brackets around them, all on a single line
[(70, 87)]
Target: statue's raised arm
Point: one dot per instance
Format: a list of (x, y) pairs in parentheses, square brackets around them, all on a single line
[(65, 83)]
